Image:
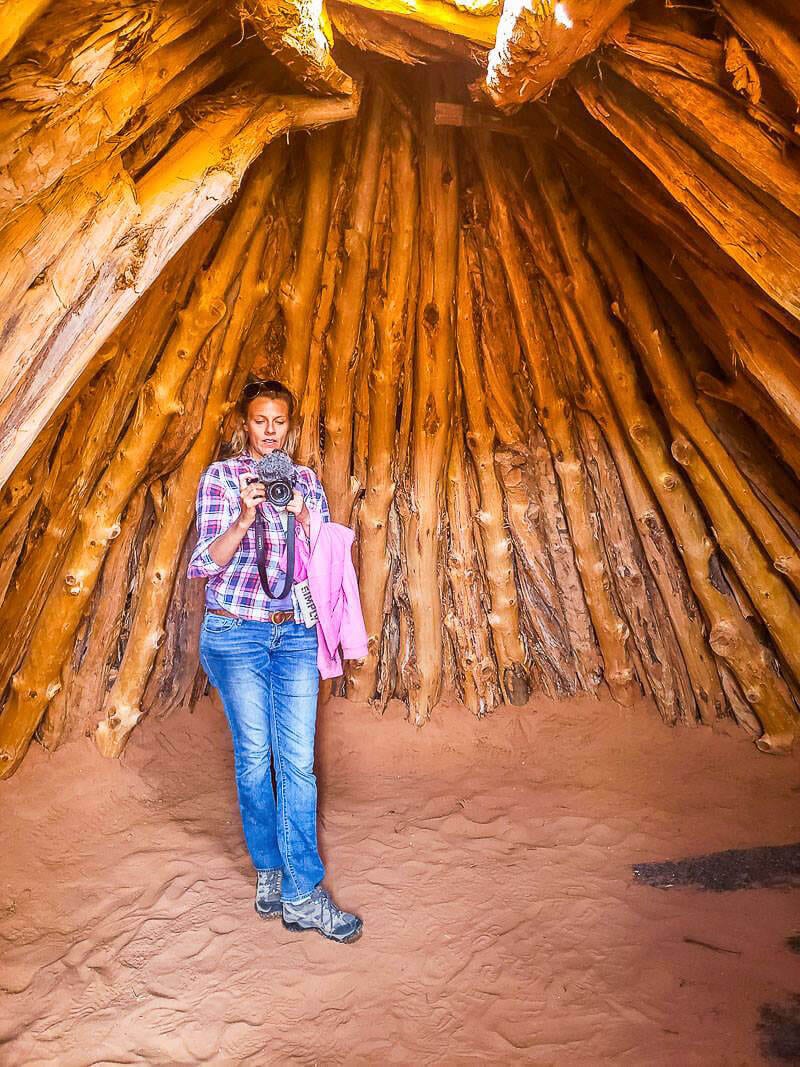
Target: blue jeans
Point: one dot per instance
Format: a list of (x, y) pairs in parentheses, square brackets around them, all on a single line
[(266, 674)]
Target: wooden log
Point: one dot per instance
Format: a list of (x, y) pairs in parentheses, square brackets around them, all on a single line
[(391, 310), (727, 487), (122, 708), (702, 59), (96, 420), (299, 34), (768, 594), (371, 33), (436, 15), (468, 608), (770, 35), (753, 237), (86, 674), (501, 356), (746, 151), (777, 488), (37, 681), (556, 619), (730, 636), (497, 548), (538, 43), (16, 16), (192, 181), (21, 497), (106, 121), (765, 350), (343, 338), (432, 404), (308, 449), (676, 394), (177, 663), (566, 291), (658, 657), (741, 393), (30, 317), (556, 420), (300, 289)]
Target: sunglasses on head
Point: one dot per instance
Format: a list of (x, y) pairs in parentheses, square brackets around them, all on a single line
[(261, 385)]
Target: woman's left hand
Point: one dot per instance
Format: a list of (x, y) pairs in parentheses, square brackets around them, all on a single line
[(297, 506)]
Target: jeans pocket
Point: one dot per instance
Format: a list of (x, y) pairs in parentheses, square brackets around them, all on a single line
[(218, 624)]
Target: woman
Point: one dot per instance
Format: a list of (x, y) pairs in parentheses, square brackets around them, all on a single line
[(264, 664)]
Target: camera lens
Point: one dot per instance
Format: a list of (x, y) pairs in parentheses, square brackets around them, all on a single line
[(280, 493)]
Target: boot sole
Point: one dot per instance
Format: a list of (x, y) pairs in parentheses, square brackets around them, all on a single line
[(296, 928), (268, 914)]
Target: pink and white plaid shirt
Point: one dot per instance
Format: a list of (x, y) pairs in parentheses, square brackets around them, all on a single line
[(237, 587)]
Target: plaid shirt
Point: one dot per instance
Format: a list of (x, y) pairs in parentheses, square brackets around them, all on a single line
[(237, 586)]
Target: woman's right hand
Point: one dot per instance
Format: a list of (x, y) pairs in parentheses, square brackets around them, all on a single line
[(250, 496)]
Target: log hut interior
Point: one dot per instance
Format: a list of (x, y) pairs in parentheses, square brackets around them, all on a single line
[(532, 271)]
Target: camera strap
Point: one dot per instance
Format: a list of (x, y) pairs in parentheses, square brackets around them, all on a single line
[(261, 555)]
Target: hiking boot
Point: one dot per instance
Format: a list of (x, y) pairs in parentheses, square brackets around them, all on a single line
[(268, 893), (321, 914)]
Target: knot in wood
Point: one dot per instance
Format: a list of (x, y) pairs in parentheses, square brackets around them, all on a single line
[(430, 316)]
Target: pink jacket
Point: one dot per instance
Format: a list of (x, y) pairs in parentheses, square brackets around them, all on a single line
[(334, 589)]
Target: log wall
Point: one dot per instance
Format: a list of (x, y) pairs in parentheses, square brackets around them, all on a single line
[(550, 376)]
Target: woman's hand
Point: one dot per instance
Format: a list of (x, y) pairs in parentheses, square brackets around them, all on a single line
[(250, 496), (297, 506)]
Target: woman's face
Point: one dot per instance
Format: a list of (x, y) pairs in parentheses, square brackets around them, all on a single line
[(267, 425)]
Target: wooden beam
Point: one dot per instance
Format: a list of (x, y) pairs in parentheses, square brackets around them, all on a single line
[(298, 33), (539, 41)]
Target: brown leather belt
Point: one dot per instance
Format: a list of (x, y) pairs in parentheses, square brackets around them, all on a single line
[(272, 616)]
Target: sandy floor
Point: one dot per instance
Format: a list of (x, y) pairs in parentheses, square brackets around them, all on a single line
[(491, 862)]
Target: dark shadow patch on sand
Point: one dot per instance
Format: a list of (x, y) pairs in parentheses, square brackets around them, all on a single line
[(793, 943), (779, 1030), (748, 868)]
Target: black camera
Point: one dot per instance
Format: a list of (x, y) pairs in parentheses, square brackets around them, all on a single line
[(277, 472)]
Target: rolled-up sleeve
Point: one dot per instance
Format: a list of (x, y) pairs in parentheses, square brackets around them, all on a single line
[(213, 518)]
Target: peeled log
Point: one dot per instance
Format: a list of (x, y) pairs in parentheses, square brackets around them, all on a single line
[(299, 291), (37, 680), (437, 15), (100, 126), (192, 181), (122, 707), (432, 404), (96, 419), (15, 18), (744, 395), (722, 125), (751, 235), (466, 621), (497, 548), (769, 35), (298, 33), (390, 311), (731, 636), (343, 338), (538, 42), (556, 421)]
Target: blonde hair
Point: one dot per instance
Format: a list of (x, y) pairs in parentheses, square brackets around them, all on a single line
[(257, 389)]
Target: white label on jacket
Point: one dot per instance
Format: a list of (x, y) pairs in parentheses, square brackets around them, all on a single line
[(308, 608)]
